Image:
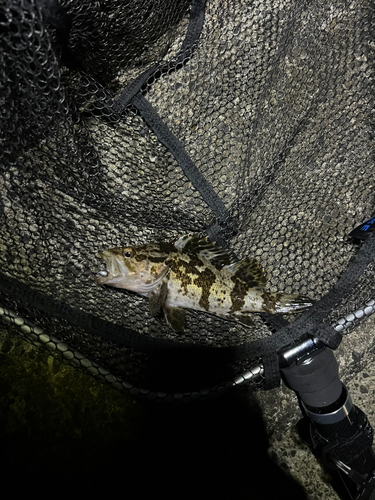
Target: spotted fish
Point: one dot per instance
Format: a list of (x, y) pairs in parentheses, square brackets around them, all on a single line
[(192, 273)]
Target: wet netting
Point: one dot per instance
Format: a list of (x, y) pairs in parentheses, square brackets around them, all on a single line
[(124, 123)]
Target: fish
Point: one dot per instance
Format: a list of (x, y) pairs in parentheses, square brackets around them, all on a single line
[(193, 273)]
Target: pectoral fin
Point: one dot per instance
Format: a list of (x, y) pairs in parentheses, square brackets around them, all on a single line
[(156, 298), (175, 317)]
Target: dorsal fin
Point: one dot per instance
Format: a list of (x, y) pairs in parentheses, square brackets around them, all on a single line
[(193, 243), (250, 271)]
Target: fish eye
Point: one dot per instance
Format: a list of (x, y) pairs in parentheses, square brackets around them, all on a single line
[(128, 252)]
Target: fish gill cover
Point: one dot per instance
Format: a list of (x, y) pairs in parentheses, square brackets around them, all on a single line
[(131, 123)]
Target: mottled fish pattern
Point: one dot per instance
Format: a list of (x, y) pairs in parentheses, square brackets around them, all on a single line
[(192, 273)]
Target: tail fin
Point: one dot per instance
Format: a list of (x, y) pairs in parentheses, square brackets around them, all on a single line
[(291, 303)]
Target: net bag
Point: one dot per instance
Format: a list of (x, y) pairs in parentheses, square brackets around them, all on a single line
[(129, 123)]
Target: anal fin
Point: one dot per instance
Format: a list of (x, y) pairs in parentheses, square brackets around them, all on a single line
[(175, 317), (243, 318)]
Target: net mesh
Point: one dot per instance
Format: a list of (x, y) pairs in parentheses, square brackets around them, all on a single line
[(274, 105)]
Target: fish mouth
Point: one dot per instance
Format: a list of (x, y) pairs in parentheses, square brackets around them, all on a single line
[(112, 273), (101, 277)]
